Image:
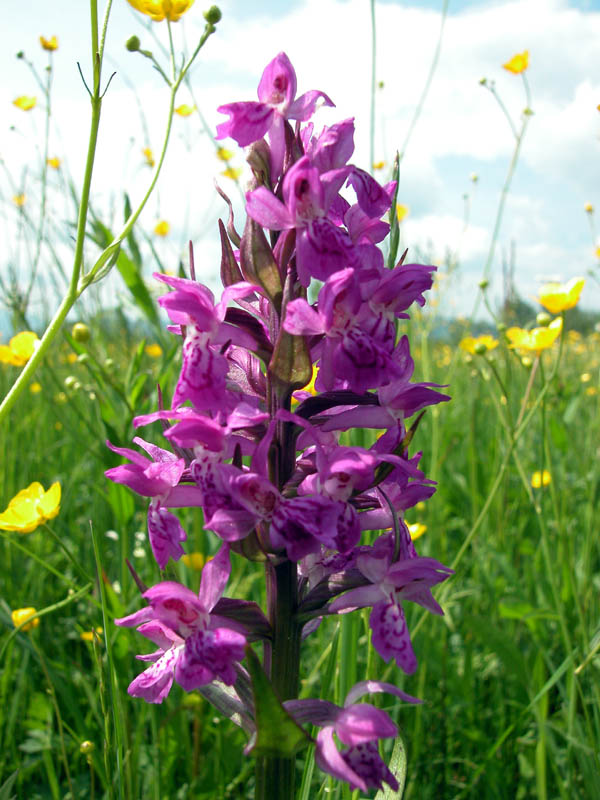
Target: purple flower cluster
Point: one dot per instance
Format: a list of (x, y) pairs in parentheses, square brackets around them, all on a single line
[(275, 484)]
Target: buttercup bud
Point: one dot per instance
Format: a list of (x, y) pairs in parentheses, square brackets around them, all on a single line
[(133, 44), (543, 319), (213, 15), (80, 332), (483, 284), (480, 348)]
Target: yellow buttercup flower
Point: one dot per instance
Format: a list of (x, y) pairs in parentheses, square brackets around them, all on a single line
[(25, 103), (557, 297), (149, 156), (585, 377), (35, 388), (158, 10), (88, 636), (379, 165), (537, 339), (20, 349), (49, 44), (518, 63), (416, 529), (185, 110), (53, 162), (162, 228), (20, 615), (194, 560), (598, 252), (153, 350), (401, 211), (539, 479), (31, 507), (232, 172), (19, 200), (223, 154), (478, 344), (588, 208)]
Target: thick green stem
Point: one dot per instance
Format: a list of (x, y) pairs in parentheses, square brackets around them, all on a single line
[(275, 776)]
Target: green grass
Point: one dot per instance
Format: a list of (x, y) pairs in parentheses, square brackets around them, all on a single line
[(507, 712)]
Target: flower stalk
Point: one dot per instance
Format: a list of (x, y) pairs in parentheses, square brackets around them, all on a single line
[(275, 484)]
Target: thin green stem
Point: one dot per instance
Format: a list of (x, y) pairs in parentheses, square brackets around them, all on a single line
[(507, 181), (78, 284)]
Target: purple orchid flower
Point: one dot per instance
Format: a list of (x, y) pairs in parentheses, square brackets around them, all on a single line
[(390, 583), (356, 352), (157, 479), (358, 726), (250, 121), (204, 369), (332, 148), (321, 247), (303, 525), (194, 646)]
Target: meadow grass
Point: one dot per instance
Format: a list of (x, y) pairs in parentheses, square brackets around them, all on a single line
[(509, 674)]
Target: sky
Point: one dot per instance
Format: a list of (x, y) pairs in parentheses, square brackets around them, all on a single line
[(462, 131)]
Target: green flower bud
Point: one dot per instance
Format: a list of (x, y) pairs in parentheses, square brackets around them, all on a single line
[(480, 348), (527, 362), (543, 319), (213, 15), (86, 747), (133, 44), (500, 327), (80, 332), (70, 382), (109, 363), (483, 284), (83, 358)]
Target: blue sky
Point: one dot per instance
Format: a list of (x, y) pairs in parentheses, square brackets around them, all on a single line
[(461, 131)]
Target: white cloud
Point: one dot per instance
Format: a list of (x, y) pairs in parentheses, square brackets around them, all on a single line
[(461, 129)]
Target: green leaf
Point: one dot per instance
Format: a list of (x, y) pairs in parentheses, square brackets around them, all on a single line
[(291, 363), (277, 733), (258, 263), (571, 410), (131, 240), (130, 272), (121, 502), (397, 767), (230, 271), (137, 388), (6, 788), (558, 434)]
